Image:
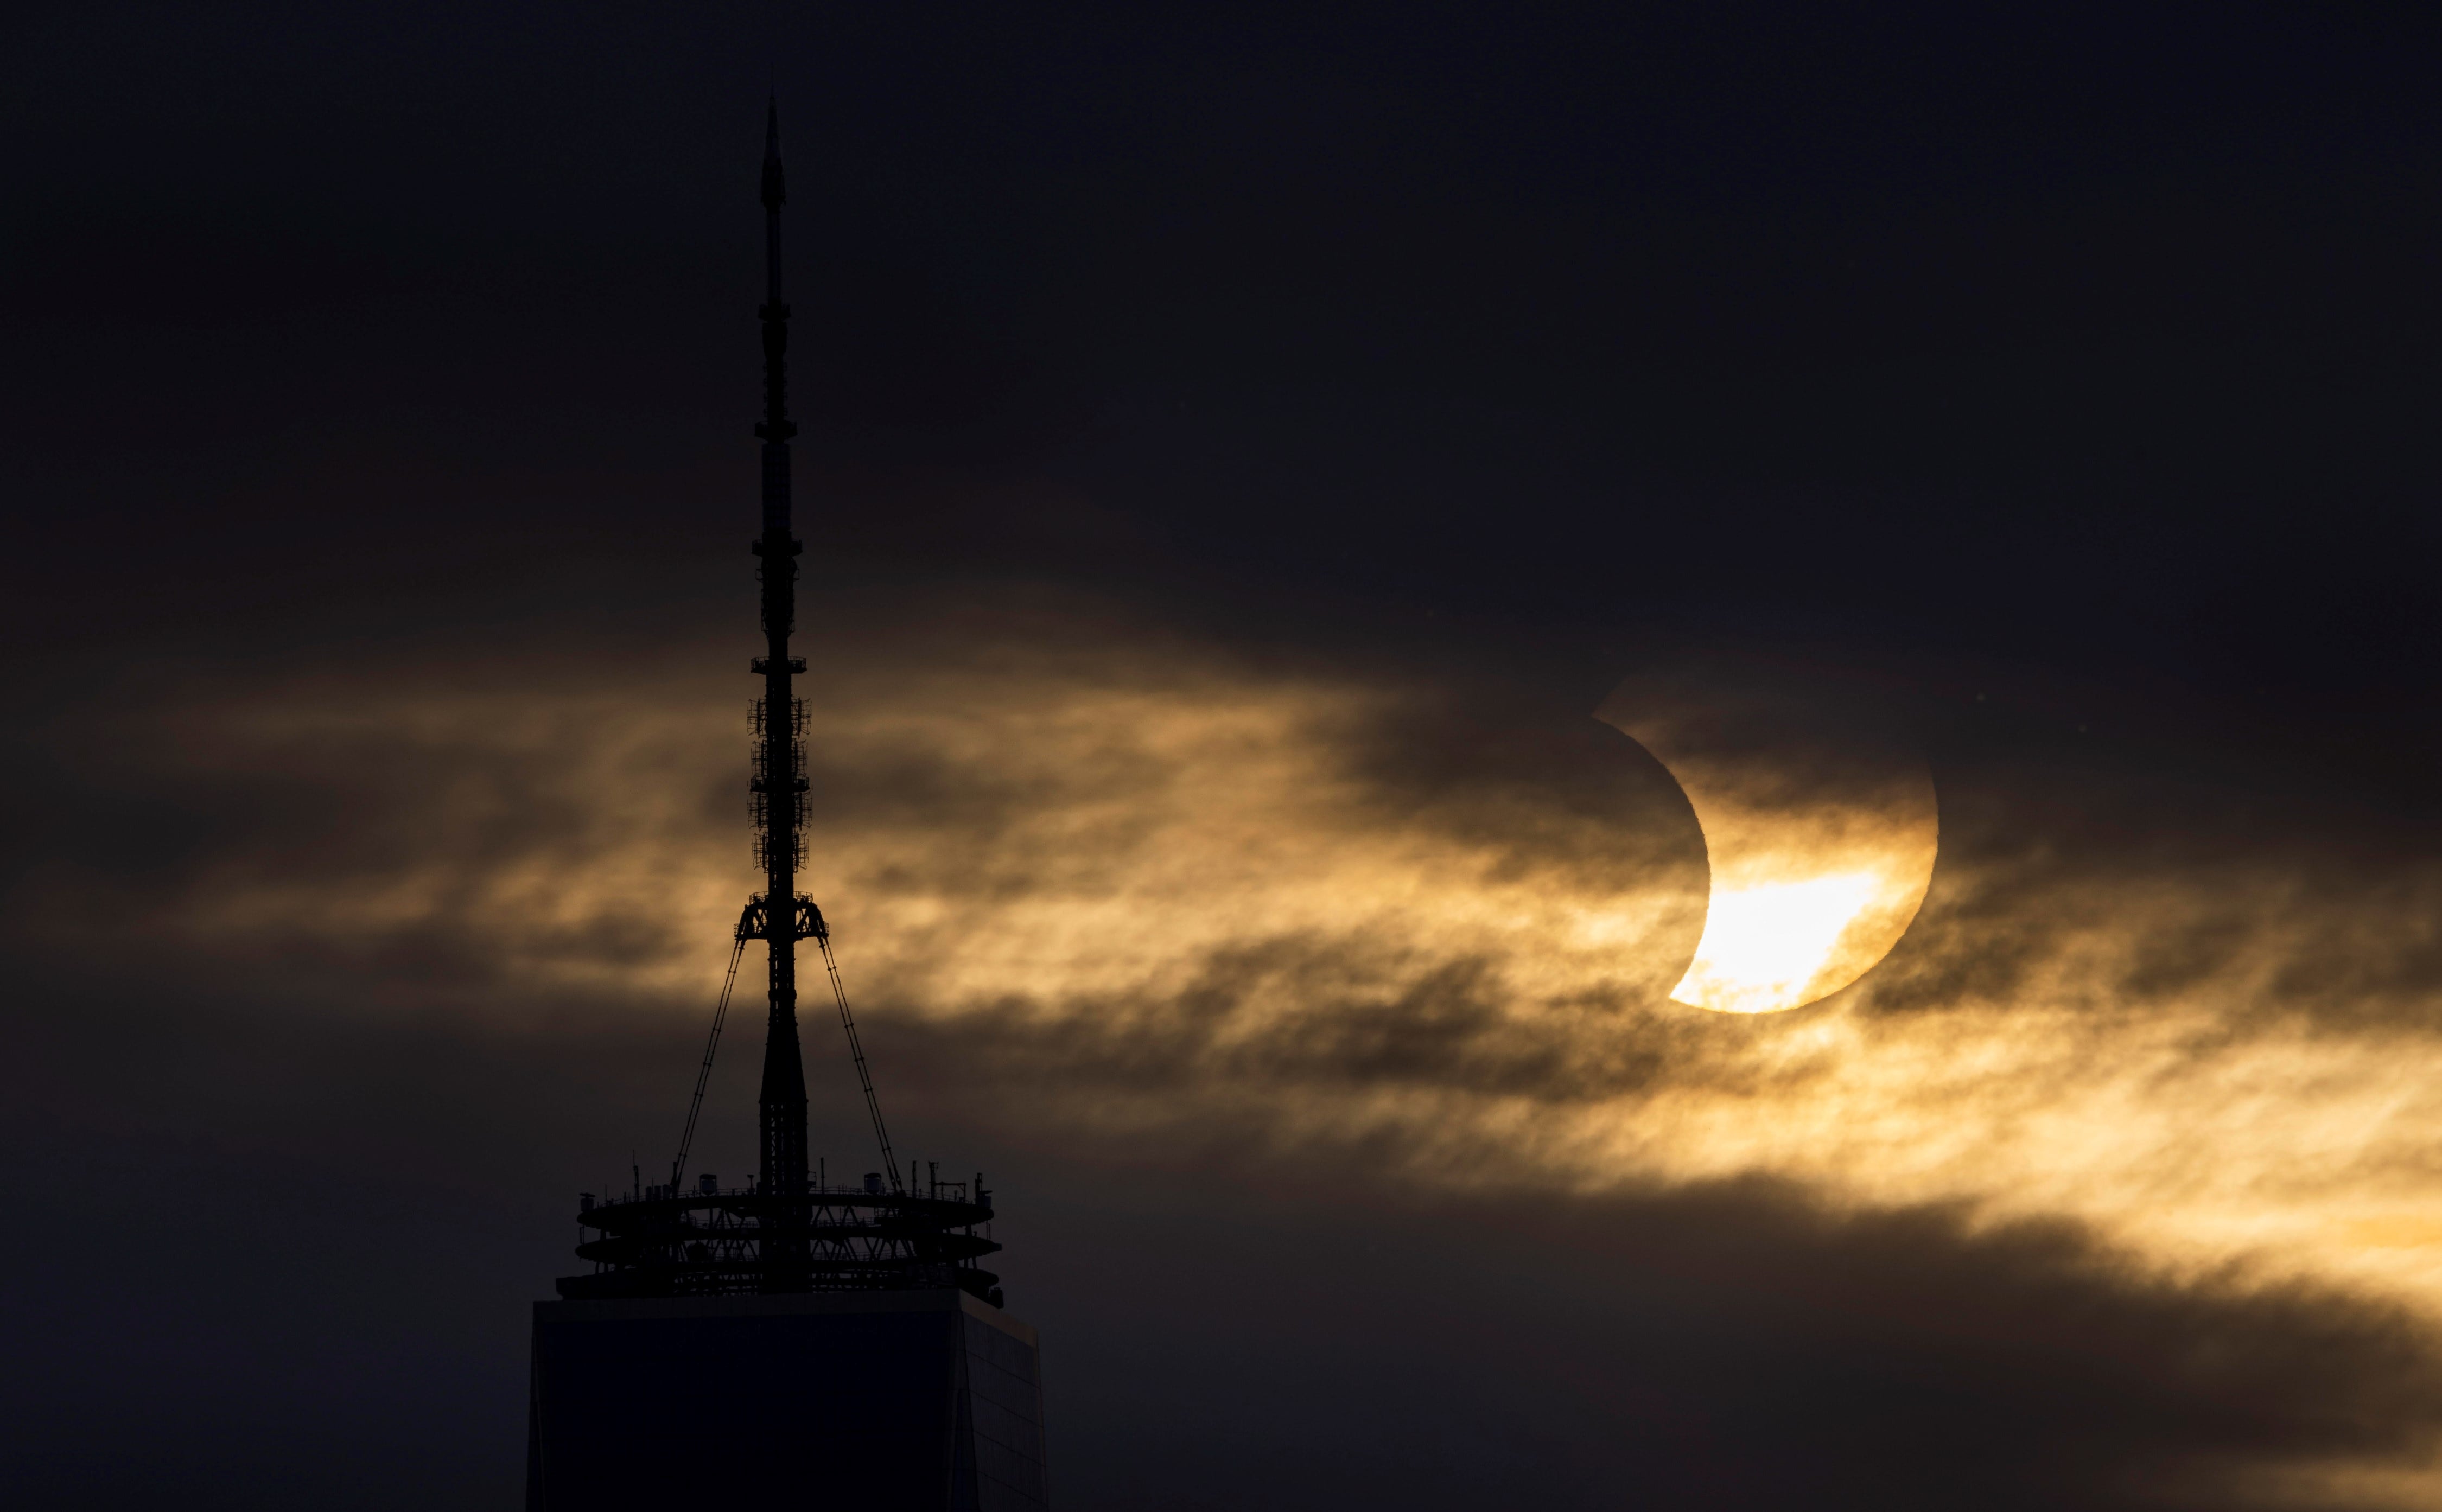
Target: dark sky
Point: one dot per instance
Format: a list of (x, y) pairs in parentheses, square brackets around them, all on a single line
[(375, 397)]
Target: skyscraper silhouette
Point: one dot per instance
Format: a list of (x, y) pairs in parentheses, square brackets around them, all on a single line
[(811, 1345)]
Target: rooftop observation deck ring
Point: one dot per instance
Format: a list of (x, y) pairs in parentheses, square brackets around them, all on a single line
[(751, 1239)]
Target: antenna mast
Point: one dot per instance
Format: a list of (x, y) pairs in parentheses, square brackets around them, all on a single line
[(780, 783)]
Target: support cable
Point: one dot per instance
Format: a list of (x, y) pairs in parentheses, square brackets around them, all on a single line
[(703, 1073), (856, 1052)]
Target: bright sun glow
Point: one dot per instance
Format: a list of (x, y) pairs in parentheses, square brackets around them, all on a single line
[(1820, 825), (1765, 943)]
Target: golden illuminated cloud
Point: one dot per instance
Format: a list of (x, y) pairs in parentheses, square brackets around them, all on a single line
[(1159, 890)]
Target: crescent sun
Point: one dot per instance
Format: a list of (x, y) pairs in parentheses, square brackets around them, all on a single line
[(1820, 828)]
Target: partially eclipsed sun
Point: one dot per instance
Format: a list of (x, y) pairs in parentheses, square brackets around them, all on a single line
[(1820, 831), (1766, 942)]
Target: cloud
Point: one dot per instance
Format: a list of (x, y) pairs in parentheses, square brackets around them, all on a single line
[(1726, 1344), (1152, 902)]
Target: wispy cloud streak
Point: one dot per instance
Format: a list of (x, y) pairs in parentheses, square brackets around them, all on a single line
[(1158, 891)]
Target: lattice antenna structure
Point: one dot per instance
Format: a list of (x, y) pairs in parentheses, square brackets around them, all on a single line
[(779, 787)]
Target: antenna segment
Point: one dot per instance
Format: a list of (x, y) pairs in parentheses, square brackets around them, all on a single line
[(780, 783)]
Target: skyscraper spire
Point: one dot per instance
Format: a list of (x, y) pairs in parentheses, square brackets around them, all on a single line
[(874, 1407), (779, 782), (893, 1229)]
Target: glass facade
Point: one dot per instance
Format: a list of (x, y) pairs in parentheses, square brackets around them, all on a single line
[(910, 1401)]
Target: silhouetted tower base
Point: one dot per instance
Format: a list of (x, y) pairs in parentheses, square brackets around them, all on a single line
[(888, 1401)]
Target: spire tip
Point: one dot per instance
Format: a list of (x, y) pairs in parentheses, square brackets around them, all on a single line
[(774, 192)]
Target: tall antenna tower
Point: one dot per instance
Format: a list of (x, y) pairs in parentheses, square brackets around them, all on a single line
[(789, 1340), (787, 1230)]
